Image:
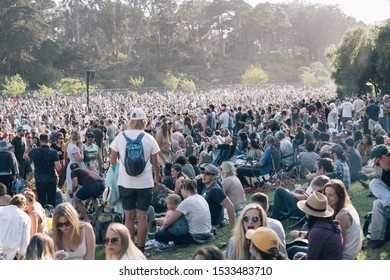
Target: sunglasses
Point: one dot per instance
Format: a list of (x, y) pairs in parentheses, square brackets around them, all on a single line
[(90, 136), (254, 219), (112, 241), (66, 224), (209, 174), (60, 138), (170, 123)]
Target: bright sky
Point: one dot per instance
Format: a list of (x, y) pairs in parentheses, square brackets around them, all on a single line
[(368, 11)]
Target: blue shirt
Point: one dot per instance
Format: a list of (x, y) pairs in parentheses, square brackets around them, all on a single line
[(266, 160)]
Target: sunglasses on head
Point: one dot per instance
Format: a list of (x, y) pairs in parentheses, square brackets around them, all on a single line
[(66, 224), (254, 219), (112, 241)]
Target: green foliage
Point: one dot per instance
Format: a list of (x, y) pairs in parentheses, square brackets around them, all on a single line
[(45, 91), (315, 75), (71, 85), (137, 81), (254, 76), (188, 85), (307, 76), (170, 81), (14, 85)]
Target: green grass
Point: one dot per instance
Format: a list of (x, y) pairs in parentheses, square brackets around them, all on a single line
[(362, 203)]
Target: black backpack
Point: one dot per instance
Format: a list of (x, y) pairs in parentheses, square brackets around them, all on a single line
[(101, 220), (367, 223), (134, 158)]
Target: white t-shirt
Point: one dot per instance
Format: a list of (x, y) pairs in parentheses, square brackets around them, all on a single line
[(197, 213), (347, 108), (224, 117), (145, 179)]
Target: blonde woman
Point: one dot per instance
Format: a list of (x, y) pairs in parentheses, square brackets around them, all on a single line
[(36, 213), (41, 247), (119, 245), (252, 217), (75, 153), (76, 238)]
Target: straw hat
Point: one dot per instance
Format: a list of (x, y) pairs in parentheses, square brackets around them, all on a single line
[(316, 205)]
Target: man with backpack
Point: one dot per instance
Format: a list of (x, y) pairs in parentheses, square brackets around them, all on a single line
[(136, 179), (380, 188)]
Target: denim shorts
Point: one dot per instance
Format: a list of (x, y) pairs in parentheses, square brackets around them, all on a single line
[(94, 190)]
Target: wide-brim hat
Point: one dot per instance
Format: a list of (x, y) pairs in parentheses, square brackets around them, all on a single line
[(5, 145), (316, 205)]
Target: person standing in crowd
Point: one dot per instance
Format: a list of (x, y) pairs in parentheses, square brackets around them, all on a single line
[(76, 238), (20, 145), (380, 188), (7, 168), (372, 113), (92, 187), (75, 152), (347, 111), (216, 197), (119, 245), (136, 191), (164, 141), (92, 154), (46, 162), (15, 228)]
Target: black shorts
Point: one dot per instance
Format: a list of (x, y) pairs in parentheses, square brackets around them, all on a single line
[(139, 199), (24, 169), (94, 190)]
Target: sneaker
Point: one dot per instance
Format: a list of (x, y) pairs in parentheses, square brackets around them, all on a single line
[(364, 184), (373, 244)]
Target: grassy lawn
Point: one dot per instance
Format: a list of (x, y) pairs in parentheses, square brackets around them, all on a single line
[(362, 203)]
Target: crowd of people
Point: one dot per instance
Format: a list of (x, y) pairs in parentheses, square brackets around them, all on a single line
[(200, 152)]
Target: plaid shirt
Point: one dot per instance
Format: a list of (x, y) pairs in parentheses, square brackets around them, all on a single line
[(342, 166)]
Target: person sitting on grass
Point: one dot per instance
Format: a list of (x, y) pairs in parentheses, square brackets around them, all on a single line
[(346, 214), (119, 245), (197, 213), (380, 188), (208, 253), (264, 244)]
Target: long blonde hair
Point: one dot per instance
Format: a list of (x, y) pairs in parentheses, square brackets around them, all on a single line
[(41, 247), (66, 210), (241, 244), (128, 247)]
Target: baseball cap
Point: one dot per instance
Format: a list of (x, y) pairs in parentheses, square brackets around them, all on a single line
[(379, 150), (137, 114), (74, 166), (211, 168), (263, 238), (337, 149), (20, 128)]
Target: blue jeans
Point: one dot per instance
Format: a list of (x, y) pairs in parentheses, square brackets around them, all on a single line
[(379, 214)]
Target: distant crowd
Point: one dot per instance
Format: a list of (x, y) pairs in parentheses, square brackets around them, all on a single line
[(200, 154)]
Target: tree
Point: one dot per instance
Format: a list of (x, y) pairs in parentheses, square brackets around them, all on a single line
[(254, 76), (170, 81), (137, 81), (45, 91), (14, 85), (188, 85), (71, 85)]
